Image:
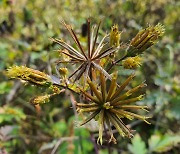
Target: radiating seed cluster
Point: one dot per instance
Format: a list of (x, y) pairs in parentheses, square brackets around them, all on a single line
[(87, 59), (111, 105)]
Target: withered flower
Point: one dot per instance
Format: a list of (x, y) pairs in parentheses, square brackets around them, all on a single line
[(87, 60), (145, 39), (110, 106), (28, 74)]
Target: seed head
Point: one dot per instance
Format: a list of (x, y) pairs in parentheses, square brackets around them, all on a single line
[(86, 59), (112, 105)]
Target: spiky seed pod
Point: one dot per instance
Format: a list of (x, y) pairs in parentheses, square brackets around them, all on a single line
[(110, 105), (87, 59), (132, 62), (145, 39), (28, 74)]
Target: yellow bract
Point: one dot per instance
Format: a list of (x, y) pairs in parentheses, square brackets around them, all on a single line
[(115, 35), (28, 74), (132, 62), (40, 99)]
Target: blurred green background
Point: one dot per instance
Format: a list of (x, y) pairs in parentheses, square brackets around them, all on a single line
[(25, 29)]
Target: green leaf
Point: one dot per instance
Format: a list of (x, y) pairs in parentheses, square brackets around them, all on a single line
[(160, 143), (175, 107), (5, 87), (59, 128), (138, 145), (8, 113)]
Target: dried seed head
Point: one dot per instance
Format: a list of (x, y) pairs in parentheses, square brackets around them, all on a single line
[(109, 105), (132, 62), (28, 74)]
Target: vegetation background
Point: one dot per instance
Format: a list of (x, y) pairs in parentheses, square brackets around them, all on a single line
[(25, 29)]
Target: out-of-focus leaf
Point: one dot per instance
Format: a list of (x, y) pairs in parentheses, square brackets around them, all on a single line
[(174, 110), (8, 113), (59, 128), (47, 146), (4, 87), (138, 145), (160, 143)]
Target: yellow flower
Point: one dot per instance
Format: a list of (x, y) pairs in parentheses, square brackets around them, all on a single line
[(28, 74), (145, 39), (40, 99), (132, 62), (115, 35), (63, 71)]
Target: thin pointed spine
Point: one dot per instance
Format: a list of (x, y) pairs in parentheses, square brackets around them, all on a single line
[(94, 89), (123, 86), (127, 101), (101, 124), (86, 105), (103, 86), (98, 67), (113, 86), (69, 48), (79, 68), (89, 36), (104, 53), (94, 44), (73, 35), (97, 51), (80, 72), (90, 97), (134, 115), (116, 125), (71, 56), (93, 115), (125, 129)]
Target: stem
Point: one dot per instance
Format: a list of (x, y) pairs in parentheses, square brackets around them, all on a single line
[(108, 144), (114, 63)]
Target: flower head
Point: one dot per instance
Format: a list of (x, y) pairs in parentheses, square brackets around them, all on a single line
[(115, 36), (132, 62), (87, 60), (28, 74), (40, 99), (110, 106), (145, 39)]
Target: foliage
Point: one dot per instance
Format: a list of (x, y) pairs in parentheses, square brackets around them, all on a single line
[(25, 29)]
